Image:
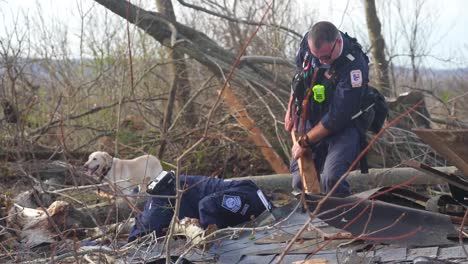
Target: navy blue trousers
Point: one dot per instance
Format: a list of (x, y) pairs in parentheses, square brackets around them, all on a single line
[(212, 201), (332, 156)]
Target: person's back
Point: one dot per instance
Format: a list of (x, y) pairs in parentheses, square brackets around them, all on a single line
[(200, 186), (213, 201)]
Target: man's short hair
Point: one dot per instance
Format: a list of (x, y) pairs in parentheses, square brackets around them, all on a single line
[(321, 32)]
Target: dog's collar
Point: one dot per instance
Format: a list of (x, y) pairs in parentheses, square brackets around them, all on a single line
[(106, 170)]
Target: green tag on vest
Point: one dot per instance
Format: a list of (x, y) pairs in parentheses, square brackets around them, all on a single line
[(319, 93)]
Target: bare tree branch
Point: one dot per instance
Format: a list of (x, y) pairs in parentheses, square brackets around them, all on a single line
[(253, 23)]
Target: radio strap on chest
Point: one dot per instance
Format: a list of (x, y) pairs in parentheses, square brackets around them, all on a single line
[(305, 102)]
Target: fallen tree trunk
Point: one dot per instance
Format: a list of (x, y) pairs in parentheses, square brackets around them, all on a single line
[(390, 177), (359, 182)]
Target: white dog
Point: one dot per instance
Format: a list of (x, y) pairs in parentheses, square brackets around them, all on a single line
[(128, 175)]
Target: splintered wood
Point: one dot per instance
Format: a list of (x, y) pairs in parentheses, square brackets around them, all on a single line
[(307, 170)]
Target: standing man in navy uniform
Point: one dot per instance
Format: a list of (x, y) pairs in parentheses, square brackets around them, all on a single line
[(334, 67), (213, 201)]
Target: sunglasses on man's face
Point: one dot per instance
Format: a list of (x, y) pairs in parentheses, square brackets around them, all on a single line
[(328, 57)]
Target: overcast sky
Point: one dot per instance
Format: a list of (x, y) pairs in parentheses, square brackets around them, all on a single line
[(444, 21)]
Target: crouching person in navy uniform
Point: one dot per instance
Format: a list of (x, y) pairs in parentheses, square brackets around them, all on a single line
[(213, 201), (332, 74)]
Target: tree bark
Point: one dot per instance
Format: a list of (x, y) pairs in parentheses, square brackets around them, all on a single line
[(179, 93), (378, 49), (359, 182), (254, 132)]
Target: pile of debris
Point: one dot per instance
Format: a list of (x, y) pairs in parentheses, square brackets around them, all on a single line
[(385, 224)]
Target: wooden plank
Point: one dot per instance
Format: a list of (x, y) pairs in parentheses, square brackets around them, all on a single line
[(255, 134), (451, 144), (307, 170)]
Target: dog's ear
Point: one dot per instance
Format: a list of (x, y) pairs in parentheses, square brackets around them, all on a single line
[(107, 158)]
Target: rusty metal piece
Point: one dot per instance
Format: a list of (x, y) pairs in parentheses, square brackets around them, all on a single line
[(451, 144)]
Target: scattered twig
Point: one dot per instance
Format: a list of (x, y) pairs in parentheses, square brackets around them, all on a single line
[(460, 236), (80, 252), (83, 187), (258, 24)]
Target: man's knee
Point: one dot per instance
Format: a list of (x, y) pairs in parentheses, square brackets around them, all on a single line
[(333, 170), (343, 150), (330, 180)]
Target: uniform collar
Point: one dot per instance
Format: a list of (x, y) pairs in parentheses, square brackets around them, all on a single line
[(344, 47)]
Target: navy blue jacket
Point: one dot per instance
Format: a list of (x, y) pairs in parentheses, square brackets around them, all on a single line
[(211, 200), (345, 81)]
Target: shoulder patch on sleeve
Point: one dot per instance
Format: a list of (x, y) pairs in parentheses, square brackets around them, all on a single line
[(356, 78), (232, 203)]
